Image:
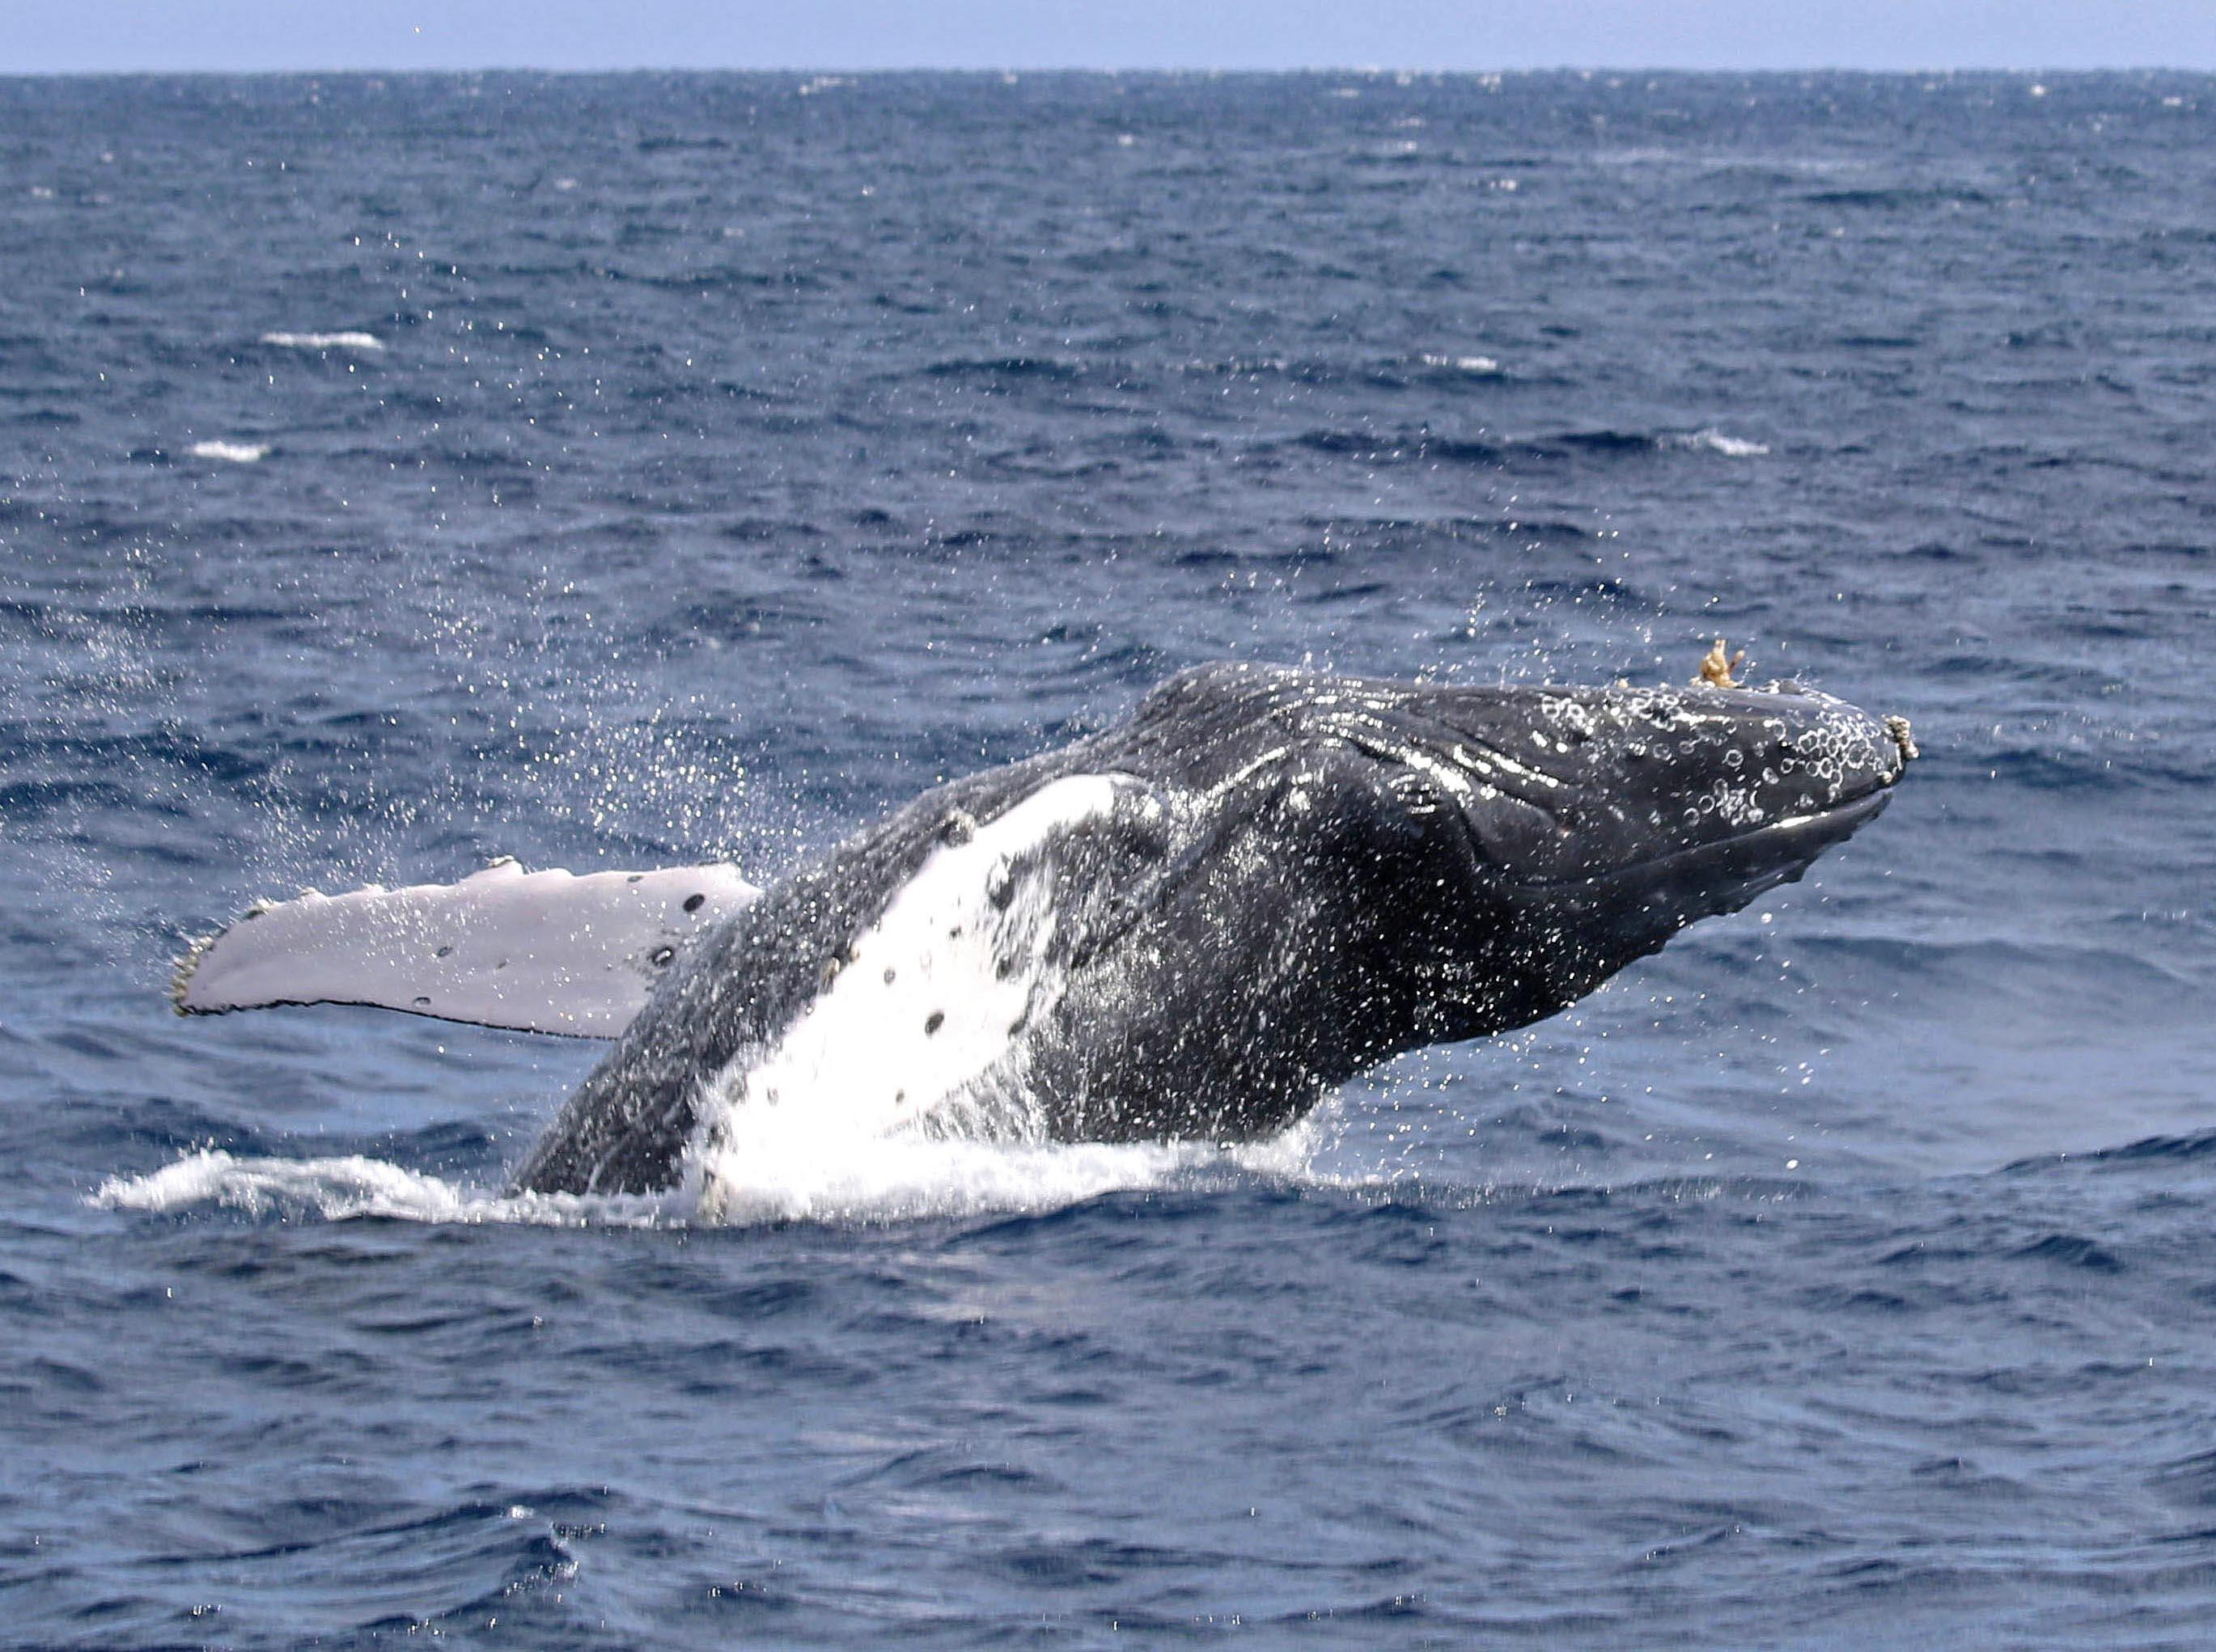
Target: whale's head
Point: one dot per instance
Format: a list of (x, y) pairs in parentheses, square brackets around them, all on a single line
[(1569, 831)]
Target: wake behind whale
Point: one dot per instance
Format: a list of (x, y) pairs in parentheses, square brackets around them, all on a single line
[(1189, 927)]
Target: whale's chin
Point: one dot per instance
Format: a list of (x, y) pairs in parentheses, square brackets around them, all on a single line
[(1784, 848)]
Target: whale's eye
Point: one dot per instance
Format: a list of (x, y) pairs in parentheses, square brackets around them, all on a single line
[(663, 955), (938, 1019), (694, 902)]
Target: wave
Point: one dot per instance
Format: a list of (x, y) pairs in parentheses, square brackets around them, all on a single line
[(235, 453), (1005, 367), (1705, 440), (1423, 446), (1418, 446), (346, 341), (1483, 365), (1715, 441)]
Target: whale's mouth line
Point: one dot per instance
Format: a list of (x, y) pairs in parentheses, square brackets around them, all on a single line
[(1829, 822)]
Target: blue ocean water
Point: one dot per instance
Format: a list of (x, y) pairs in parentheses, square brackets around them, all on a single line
[(610, 472)]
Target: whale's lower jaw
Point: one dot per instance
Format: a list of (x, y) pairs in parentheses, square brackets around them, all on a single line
[(1788, 847)]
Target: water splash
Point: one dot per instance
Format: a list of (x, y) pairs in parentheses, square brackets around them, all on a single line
[(833, 1182), (338, 1189), (898, 1178)]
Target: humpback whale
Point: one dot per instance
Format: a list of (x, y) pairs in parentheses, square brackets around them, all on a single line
[(1192, 925)]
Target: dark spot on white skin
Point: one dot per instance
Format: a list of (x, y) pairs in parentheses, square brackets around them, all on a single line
[(938, 1019), (694, 902), (634, 877), (444, 952), (955, 933), (889, 977), (663, 955), (422, 1003), (1004, 969), (900, 1098)]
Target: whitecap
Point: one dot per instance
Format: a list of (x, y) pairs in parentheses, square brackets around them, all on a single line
[(1715, 441), (324, 341), (237, 453)]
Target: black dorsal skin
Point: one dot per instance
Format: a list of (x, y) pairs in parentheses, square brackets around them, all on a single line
[(1302, 875)]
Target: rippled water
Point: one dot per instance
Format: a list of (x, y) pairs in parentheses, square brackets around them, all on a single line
[(620, 473)]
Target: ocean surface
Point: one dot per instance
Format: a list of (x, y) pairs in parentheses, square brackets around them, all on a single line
[(394, 473)]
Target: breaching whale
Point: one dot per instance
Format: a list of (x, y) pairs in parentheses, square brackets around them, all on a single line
[(1192, 925)]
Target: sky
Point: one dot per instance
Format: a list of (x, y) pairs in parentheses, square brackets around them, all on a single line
[(50, 36)]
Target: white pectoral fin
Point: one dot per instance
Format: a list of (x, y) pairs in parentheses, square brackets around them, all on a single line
[(538, 951)]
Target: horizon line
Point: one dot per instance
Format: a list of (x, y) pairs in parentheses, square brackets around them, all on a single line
[(1365, 71)]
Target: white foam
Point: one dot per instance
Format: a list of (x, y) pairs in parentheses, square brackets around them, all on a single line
[(1472, 364), (324, 341), (895, 1178), (1715, 441), (235, 453), (828, 1180), (338, 1188)]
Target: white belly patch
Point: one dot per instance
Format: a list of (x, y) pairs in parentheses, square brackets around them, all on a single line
[(915, 1030)]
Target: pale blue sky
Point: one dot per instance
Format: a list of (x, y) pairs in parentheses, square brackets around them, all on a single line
[(48, 35)]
